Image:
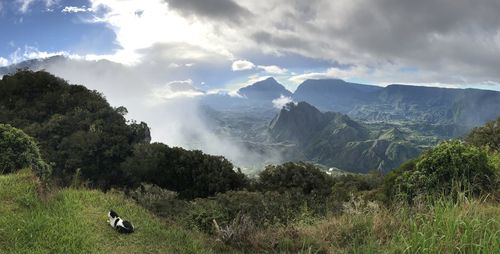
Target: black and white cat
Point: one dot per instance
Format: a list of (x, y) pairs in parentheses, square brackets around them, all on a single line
[(120, 225)]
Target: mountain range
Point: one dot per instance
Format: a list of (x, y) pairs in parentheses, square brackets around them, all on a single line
[(335, 139), (335, 123), (355, 127), (464, 107)]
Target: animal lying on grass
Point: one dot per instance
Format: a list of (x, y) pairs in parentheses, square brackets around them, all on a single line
[(120, 225)]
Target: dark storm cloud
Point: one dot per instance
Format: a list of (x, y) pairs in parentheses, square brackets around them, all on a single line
[(453, 37), (428, 33), (287, 41), (225, 10)]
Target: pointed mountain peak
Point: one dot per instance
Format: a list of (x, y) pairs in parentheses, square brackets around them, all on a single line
[(393, 134), (300, 106), (268, 82), (267, 89)]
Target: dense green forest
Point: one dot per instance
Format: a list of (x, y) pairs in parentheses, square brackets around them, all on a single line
[(444, 201)]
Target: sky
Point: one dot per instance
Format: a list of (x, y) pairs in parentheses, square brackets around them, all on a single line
[(159, 57), (226, 44)]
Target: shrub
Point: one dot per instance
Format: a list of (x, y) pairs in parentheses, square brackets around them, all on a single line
[(18, 150), (347, 185), (293, 177), (265, 209), (487, 135), (190, 173), (448, 168)]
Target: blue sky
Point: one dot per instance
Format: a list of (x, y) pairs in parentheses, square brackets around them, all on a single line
[(48, 29), (226, 44)]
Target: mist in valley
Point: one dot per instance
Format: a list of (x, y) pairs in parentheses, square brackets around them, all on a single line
[(172, 109)]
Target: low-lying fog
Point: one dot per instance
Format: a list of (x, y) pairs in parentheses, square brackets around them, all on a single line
[(171, 109)]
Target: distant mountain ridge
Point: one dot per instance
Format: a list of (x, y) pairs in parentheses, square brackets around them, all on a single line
[(465, 107)]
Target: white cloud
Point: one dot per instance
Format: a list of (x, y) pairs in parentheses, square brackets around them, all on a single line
[(75, 9), (178, 89), (157, 24), (24, 5), (29, 52), (280, 102), (273, 69), (3, 62), (334, 72), (233, 87), (241, 65)]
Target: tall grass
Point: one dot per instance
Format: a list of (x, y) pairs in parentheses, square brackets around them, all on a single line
[(466, 226), (445, 226)]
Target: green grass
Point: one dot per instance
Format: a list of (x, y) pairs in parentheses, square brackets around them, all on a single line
[(74, 221), (467, 227)]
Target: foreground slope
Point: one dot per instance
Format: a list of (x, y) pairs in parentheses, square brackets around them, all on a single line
[(74, 221)]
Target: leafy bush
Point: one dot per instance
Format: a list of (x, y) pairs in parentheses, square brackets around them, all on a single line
[(446, 169), (264, 209), (18, 150), (391, 180), (487, 135), (347, 185), (190, 173), (296, 177)]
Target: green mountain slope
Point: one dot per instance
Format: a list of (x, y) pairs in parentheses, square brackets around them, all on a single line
[(74, 221), (335, 140)]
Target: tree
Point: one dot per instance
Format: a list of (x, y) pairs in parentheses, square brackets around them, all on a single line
[(303, 177), (18, 150), (77, 128), (487, 135)]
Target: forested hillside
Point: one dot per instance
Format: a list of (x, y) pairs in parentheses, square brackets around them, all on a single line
[(81, 135)]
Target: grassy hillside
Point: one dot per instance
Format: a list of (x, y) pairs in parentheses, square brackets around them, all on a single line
[(74, 221)]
